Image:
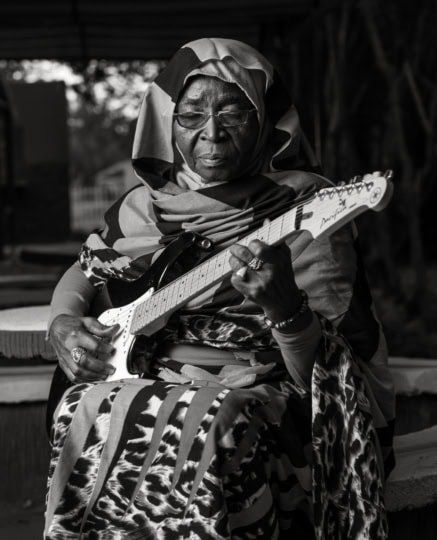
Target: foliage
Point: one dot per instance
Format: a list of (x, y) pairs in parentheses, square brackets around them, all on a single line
[(103, 98), (365, 82)]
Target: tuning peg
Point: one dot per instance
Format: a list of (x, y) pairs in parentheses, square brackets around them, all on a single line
[(388, 174), (356, 179)]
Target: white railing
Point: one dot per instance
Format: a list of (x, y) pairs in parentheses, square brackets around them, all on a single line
[(88, 206)]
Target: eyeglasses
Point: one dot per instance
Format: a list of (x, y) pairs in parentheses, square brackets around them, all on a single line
[(194, 119)]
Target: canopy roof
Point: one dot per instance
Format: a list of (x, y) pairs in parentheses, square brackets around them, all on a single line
[(79, 30)]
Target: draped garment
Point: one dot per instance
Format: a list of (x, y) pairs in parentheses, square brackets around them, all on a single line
[(174, 456)]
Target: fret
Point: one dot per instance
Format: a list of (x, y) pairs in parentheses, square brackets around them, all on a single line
[(140, 313), (173, 294), (196, 279), (285, 223), (171, 291), (163, 300), (145, 311), (157, 304), (181, 289), (261, 234), (212, 269), (202, 276), (207, 271), (282, 225), (189, 287), (176, 286), (220, 263), (267, 230), (275, 228), (288, 222), (141, 309)]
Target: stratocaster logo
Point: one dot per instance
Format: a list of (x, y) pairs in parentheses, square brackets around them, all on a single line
[(341, 208)]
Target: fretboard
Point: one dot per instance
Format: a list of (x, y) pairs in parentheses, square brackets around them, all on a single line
[(212, 271)]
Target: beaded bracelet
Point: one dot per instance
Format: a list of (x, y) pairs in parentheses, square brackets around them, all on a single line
[(281, 324)]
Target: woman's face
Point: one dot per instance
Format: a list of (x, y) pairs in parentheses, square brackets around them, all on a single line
[(214, 152)]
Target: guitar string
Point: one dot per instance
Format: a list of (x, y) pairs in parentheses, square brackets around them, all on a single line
[(165, 296), (205, 275), (126, 311), (162, 296)]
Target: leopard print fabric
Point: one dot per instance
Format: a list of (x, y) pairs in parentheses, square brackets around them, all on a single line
[(224, 330), (234, 479), (155, 460), (348, 501)]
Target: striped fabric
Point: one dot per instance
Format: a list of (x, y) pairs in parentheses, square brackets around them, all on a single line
[(134, 450)]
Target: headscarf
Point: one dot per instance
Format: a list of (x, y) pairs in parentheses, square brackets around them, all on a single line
[(280, 144)]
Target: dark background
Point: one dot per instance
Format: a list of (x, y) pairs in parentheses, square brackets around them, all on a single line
[(363, 76)]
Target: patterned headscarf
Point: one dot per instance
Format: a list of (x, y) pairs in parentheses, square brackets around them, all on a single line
[(280, 145)]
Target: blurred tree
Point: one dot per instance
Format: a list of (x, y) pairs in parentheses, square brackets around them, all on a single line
[(364, 78), (104, 99)]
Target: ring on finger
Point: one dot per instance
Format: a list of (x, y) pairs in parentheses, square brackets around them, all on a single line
[(77, 354), (255, 263)]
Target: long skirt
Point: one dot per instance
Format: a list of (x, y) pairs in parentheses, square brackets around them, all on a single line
[(147, 459)]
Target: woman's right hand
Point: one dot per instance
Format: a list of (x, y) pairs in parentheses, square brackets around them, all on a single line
[(68, 332)]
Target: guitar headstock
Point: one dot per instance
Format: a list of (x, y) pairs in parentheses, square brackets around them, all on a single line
[(331, 207)]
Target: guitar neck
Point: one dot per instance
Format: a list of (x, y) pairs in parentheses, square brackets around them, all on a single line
[(212, 271), (324, 212)]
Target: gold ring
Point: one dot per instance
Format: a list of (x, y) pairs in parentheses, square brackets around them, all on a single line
[(255, 263), (77, 354)]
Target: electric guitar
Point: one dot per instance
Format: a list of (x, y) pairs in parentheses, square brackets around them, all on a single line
[(323, 212)]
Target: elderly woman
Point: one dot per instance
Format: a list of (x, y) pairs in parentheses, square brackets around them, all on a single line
[(265, 409)]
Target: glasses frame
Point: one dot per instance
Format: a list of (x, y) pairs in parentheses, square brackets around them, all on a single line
[(216, 115)]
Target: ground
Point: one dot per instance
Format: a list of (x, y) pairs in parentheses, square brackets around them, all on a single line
[(22, 521)]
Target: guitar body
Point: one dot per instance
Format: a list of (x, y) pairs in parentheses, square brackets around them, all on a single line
[(180, 255)]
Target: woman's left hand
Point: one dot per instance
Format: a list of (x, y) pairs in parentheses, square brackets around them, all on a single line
[(272, 286)]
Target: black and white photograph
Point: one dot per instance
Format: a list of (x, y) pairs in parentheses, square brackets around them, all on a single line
[(218, 271)]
